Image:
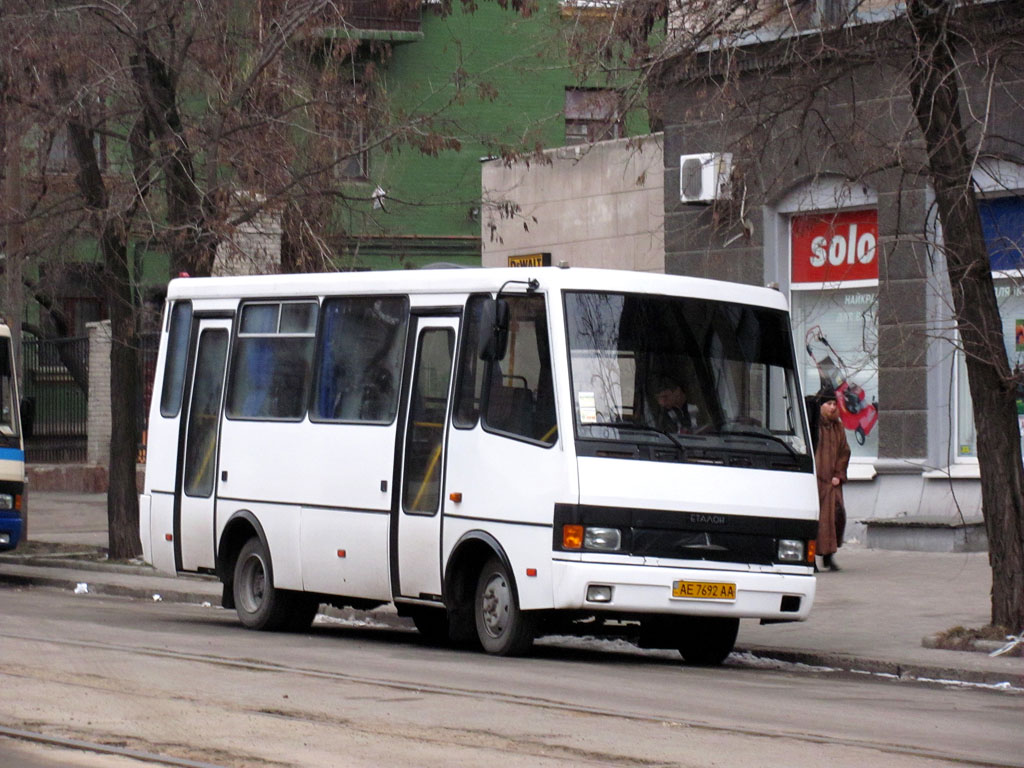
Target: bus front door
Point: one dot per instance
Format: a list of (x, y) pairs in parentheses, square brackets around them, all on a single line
[(418, 517), (194, 522)]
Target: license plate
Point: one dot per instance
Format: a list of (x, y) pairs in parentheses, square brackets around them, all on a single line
[(704, 590)]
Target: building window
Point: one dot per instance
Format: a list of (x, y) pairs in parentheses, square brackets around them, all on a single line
[(1002, 220), (593, 114), (58, 157), (351, 157), (834, 282), (343, 127)]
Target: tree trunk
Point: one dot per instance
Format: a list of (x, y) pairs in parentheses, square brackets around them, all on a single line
[(935, 92), (122, 492), (113, 227), (191, 245)]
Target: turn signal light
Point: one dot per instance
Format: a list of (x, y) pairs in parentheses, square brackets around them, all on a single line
[(572, 536), (812, 547)]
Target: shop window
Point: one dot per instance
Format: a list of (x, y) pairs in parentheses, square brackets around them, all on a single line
[(1003, 224), (592, 114), (834, 281)]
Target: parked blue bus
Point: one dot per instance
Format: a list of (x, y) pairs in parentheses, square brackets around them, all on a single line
[(12, 448)]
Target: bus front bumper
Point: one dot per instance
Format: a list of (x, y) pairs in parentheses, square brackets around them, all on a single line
[(10, 529), (642, 589)]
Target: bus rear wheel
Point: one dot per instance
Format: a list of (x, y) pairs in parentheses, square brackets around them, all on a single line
[(503, 629), (258, 603), (706, 641)]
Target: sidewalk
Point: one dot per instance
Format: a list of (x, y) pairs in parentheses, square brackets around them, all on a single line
[(870, 617)]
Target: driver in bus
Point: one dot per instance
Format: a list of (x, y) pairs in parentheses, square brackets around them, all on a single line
[(674, 416)]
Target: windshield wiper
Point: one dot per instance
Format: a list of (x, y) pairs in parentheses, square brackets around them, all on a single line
[(638, 428), (765, 435)]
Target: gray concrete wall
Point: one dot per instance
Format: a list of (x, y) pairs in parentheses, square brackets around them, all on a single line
[(597, 205), (253, 249), (98, 418)]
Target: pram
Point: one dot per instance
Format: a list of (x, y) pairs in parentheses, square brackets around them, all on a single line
[(855, 413)]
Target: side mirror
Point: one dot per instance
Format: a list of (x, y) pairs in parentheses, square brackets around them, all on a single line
[(493, 342)]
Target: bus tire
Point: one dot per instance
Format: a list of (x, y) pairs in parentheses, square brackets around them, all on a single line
[(705, 641), (258, 603), (503, 629)]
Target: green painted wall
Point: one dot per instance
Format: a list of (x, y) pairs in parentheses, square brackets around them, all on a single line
[(515, 75)]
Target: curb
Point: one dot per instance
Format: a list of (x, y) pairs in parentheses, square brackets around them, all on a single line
[(855, 665), (111, 590)]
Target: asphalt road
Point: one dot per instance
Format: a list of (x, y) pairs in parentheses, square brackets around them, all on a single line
[(189, 684)]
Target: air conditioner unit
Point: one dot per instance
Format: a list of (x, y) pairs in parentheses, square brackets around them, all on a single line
[(705, 177)]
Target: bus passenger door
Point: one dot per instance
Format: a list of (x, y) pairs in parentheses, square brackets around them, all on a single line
[(422, 481), (194, 522)]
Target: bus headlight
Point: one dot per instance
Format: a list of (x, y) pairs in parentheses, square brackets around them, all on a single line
[(602, 539), (6, 501), (791, 551)]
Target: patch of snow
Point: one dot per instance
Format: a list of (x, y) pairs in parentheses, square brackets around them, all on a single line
[(322, 619)]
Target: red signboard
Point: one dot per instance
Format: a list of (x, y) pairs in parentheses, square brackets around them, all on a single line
[(835, 247)]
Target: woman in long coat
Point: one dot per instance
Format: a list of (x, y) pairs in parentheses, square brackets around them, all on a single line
[(831, 459)]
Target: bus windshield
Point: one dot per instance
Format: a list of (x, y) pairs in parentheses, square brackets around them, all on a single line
[(708, 381)]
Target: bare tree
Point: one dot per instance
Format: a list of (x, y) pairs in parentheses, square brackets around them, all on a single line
[(935, 85), (184, 121)]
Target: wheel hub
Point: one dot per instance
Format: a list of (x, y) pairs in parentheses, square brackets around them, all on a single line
[(494, 605), (254, 584)]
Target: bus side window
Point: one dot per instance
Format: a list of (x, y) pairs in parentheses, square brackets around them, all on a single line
[(177, 354), (520, 393), (470, 382), (359, 359), (271, 365)]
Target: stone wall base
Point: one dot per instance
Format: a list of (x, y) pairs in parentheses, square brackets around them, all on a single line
[(926, 535), (76, 478)]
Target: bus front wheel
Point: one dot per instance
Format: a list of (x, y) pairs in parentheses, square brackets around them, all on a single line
[(258, 603), (706, 640), (502, 627)]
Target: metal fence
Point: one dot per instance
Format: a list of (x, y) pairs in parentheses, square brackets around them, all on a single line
[(55, 390), (56, 397)]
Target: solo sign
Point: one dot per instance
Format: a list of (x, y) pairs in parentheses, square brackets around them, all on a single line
[(835, 247)]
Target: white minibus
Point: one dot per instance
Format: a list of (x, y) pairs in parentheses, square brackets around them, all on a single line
[(500, 453)]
